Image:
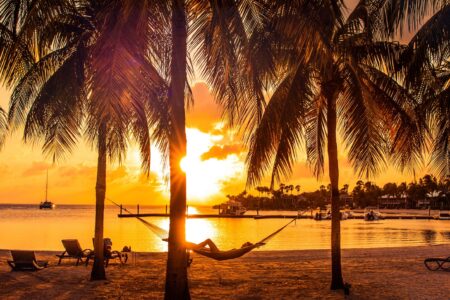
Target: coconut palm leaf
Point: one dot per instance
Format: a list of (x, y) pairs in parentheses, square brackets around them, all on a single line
[(221, 33), (56, 114), (3, 126), (429, 45), (397, 14), (273, 145), (15, 57), (401, 114), (30, 83), (359, 124), (316, 134)]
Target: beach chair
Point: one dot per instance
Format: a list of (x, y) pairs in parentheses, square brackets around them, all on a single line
[(109, 254), (24, 260), (74, 250), (434, 264)]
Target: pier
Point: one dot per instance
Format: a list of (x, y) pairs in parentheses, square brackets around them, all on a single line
[(275, 216), (304, 214)]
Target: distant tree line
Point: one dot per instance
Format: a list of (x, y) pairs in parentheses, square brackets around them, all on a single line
[(290, 197)]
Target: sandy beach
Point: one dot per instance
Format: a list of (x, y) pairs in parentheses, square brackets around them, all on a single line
[(384, 273)]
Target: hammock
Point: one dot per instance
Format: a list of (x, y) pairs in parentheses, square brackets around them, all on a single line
[(217, 255), (235, 253)]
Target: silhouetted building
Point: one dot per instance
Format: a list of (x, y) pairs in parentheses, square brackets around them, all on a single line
[(394, 201)]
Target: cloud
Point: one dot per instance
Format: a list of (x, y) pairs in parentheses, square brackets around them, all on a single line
[(37, 168), (117, 174), (221, 152)]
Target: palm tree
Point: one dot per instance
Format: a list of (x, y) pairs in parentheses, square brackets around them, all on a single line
[(219, 37), (100, 90), (424, 69), (176, 272), (3, 126), (332, 76)]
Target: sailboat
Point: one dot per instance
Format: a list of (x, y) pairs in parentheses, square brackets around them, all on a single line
[(46, 204)]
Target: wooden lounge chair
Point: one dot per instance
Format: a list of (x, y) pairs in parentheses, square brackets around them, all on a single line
[(434, 264), (74, 250), (109, 254), (24, 260)]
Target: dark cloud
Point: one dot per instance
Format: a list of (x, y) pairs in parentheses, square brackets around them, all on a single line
[(221, 152)]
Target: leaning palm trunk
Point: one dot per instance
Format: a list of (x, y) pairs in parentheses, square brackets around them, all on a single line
[(98, 269), (176, 273), (336, 273)]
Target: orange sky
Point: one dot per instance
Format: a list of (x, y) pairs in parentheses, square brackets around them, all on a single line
[(215, 166)]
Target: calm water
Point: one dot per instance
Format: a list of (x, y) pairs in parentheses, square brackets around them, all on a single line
[(27, 227)]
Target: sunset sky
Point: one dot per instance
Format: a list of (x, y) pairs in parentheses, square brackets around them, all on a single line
[(214, 165)]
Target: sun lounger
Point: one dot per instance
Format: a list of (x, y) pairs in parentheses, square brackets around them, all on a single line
[(74, 250), (24, 260), (434, 264), (109, 254)]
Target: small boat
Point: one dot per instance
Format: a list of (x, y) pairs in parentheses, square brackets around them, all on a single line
[(444, 215), (232, 208), (372, 213), (46, 204), (327, 215)]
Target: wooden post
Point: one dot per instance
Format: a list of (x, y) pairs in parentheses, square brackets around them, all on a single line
[(138, 209), (120, 208), (166, 209)]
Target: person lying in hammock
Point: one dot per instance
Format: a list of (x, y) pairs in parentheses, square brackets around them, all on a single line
[(207, 244)]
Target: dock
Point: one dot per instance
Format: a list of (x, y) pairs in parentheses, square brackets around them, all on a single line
[(206, 216), (280, 216), (125, 213)]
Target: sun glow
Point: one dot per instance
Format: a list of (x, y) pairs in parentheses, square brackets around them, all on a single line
[(206, 176)]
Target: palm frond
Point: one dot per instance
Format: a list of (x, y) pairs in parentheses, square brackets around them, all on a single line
[(397, 14), (359, 123), (440, 155), (429, 45), (280, 131), (3, 126), (15, 57), (316, 134), (56, 114), (29, 85), (402, 115)]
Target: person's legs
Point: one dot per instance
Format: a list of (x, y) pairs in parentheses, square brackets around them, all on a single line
[(210, 244)]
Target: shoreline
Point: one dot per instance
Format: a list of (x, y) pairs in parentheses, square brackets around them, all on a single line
[(4, 251), (376, 273)]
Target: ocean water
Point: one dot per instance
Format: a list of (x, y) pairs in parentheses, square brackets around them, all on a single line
[(27, 227)]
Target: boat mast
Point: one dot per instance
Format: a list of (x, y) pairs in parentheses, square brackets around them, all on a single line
[(46, 187)]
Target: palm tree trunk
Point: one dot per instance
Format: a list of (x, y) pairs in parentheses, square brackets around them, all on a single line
[(98, 269), (176, 272), (337, 281)]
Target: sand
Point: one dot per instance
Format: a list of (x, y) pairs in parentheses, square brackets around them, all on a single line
[(385, 273)]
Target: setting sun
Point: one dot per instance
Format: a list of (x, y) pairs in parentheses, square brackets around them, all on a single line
[(205, 175)]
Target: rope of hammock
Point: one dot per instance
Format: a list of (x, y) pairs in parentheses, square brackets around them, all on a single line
[(221, 255)]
